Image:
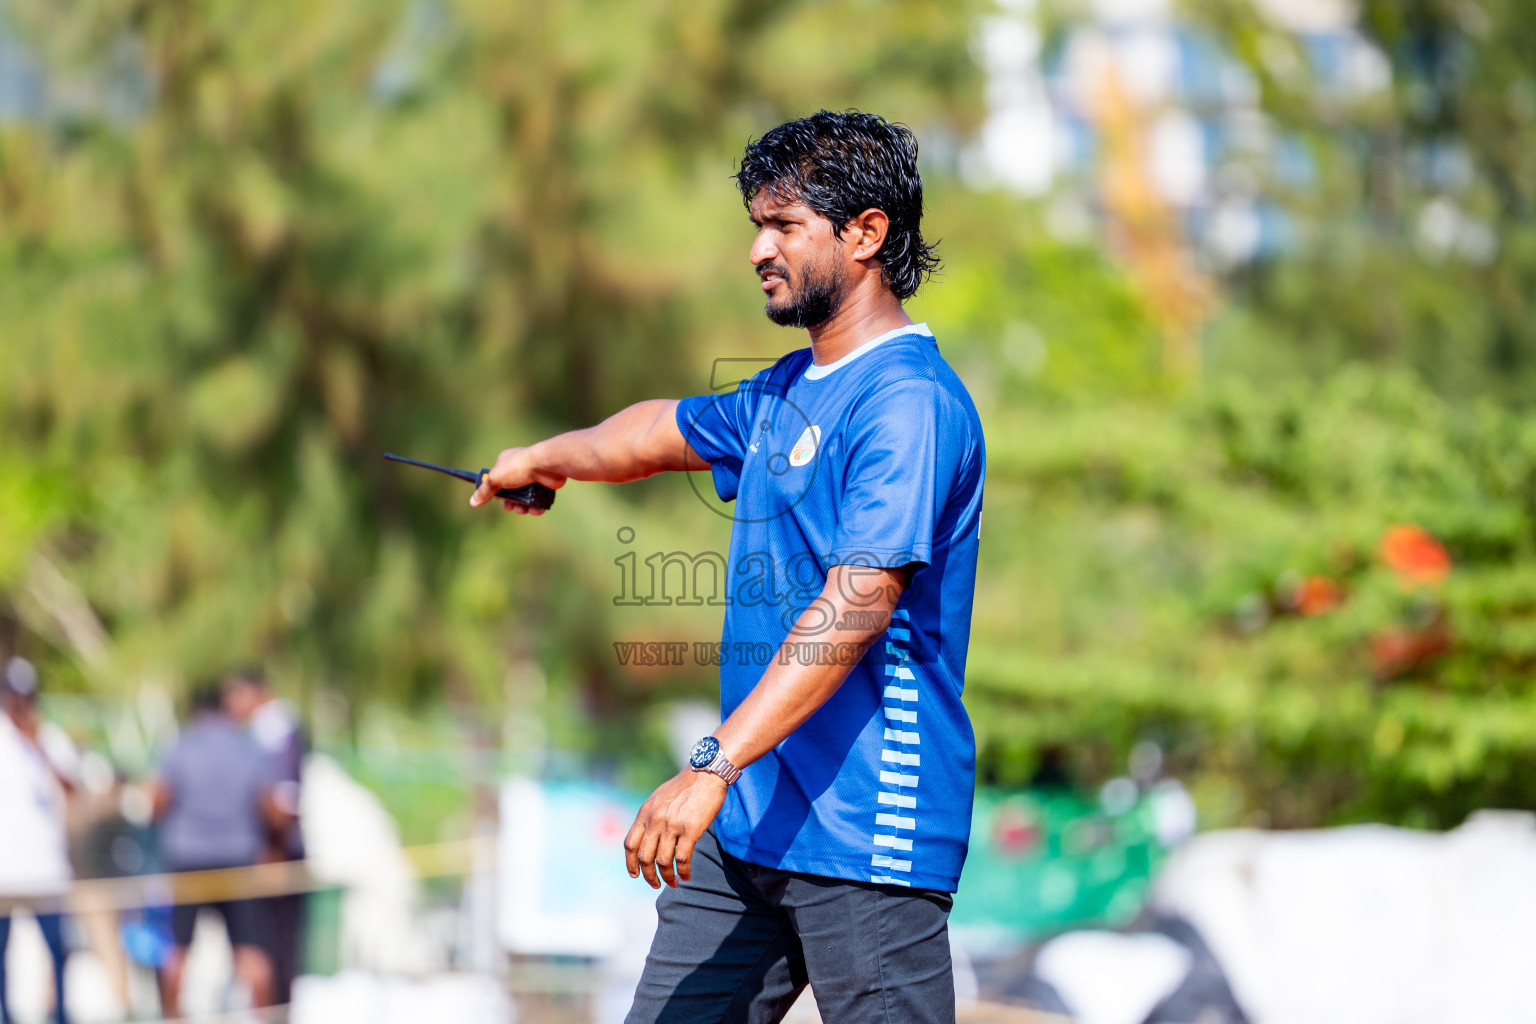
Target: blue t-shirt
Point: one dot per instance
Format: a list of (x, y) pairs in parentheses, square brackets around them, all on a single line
[(877, 460)]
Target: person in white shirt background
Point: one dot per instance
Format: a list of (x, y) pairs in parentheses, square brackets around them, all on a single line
[(36, 770)]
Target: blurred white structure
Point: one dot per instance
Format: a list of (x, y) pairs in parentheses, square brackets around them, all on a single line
[(564, 888), (1146, 969), (351, 841), (356, 997), (1368, 924)]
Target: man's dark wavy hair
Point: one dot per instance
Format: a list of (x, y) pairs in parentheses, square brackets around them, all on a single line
[(841, 165)]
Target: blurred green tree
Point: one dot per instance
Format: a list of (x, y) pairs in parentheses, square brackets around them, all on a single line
[(247, 249), (1414, 238), (1212, 574)]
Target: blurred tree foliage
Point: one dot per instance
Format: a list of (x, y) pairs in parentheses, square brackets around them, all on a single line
[(1212, 577), (1206, 569), (250, 247), (1413, 197)]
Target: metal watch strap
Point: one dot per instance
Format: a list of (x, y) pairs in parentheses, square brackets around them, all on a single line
[(722, 767)]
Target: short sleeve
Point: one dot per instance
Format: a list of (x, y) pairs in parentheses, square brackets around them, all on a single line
[(717, 426), (899, 469)]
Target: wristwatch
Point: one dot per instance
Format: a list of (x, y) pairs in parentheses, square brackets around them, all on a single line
[(706, 757)]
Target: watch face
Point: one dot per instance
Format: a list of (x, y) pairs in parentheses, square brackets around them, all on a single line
[(704, 752)]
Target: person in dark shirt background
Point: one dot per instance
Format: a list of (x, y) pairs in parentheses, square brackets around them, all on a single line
[(275, 726), (215, 803)]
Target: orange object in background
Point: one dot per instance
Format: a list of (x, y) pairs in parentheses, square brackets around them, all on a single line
[(1400, 650), (1318, 594), (1416, 556)]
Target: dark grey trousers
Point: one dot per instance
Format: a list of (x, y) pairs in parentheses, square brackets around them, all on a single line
[(739, 942)]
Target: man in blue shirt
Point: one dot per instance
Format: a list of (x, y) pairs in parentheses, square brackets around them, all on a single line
[(816, 836)]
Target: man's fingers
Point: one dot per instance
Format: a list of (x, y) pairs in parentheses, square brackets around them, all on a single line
[(647, 855), (483, 493), (521, 509), (665, 850), (632, 847), (685, 857)]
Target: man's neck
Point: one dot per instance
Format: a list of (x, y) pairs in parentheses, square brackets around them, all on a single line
[(865, 315)]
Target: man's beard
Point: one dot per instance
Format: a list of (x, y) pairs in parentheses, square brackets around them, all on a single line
[(815, 300)]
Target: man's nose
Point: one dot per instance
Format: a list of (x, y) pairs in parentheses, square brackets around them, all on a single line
[(763, 250)]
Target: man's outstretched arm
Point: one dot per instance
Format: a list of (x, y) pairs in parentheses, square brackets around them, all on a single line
[(632, 444), (789, 692)]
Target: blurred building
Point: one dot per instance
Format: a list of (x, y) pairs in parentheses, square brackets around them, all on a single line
[(1135, 98)]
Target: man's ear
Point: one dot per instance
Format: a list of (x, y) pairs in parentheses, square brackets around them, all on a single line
[(866, 232)]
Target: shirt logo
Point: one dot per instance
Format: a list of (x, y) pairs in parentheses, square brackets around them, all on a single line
[(805, 448)]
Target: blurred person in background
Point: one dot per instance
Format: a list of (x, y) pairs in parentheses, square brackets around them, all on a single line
[(214, 802), (275, 726), (34, 848), (113, 841)]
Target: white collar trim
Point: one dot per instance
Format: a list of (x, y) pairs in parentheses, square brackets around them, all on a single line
[(814, 372)]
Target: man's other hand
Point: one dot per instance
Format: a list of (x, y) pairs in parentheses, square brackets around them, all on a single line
[(670, 823), (514, 468)]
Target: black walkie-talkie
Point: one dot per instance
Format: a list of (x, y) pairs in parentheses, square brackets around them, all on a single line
[(534, 495)]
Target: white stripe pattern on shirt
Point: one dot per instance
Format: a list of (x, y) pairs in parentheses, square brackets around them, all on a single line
[(898, 788)]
